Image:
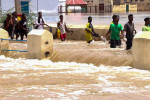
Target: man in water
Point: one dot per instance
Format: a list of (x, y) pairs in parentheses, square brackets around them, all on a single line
[(115, 29), (147, 22), (8, 25), (129, 28), (90, 31), (63, 28)]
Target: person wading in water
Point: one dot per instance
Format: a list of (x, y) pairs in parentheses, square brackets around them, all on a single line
[(63, 28), (115, 29), (129, 28), (89, 31)]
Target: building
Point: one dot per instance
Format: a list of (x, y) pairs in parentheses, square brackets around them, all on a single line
[(95, 6), (132, 5), (76, 6), (62, 6)]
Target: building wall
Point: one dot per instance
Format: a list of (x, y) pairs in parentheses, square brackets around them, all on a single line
[(95, 5), (144, 6), (122, 8)]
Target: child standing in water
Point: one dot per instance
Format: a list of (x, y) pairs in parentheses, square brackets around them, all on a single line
[(129, 28), (90, 31), (115, 29), (63, 28)]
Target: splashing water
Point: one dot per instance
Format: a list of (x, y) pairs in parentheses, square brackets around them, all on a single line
[(35, 79)]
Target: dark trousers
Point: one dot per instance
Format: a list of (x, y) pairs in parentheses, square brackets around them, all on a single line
[(16, 32), (129, 43), (114, 43), (22, 33)]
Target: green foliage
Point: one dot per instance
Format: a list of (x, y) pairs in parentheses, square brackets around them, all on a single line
[(31, 19), (3, 14)]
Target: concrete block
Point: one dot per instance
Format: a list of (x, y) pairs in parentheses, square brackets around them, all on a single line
[(40, 44), (141, 50), (4, 44)]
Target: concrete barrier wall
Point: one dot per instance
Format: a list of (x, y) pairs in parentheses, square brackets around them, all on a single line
[(141, 50), (144, 6), (40, 44), (4, 44), (122, 8), (79, 31)]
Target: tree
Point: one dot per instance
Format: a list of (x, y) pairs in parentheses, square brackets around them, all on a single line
[(17, 6)]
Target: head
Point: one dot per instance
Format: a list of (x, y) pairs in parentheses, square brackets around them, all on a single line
[(40, 14), (147, 21), (90, 19), (115, 18), (8, 16), (61, 17), (23, 17), (130, 17), (14, 14)]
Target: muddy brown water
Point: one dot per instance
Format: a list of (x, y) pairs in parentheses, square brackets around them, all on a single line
[(76, 71)]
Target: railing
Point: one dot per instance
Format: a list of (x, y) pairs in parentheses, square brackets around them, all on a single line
[(14, 50)]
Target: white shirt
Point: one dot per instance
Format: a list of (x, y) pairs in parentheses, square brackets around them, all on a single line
[(39, 24), (62, 28)]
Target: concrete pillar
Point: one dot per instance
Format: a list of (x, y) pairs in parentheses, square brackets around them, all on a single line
[(4, 44), (18, 6), (140, 50), (40, 44)]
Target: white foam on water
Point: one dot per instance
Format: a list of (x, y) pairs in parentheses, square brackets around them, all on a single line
[(106, 83)]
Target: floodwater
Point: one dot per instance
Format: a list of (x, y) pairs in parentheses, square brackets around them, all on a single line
[(24, 79), (98, 19), (77, 71)]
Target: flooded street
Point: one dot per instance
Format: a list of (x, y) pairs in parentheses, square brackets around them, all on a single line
[(98, 19), (27, 79)]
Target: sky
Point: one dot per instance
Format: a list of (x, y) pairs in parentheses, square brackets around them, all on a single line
[(44, 5)]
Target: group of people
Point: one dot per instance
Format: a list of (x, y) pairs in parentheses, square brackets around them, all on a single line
[(15, 26), (19, 28), (115, 29)]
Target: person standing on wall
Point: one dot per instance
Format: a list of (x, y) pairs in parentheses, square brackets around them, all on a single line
[(147, 22), (115, 29), (8, 25), (23, 26), (16, 26), (129, 29), (40, 22), (63, 28)]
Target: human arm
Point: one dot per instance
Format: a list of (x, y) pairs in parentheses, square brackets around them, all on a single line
[(122, 32), (66, 28), (89, 29)]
